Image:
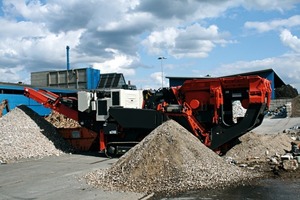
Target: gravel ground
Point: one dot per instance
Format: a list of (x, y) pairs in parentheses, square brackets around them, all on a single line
[(169, 160), (24, 134)]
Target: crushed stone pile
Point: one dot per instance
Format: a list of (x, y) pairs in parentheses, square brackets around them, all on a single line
[(259, 146), (169, 160), (24, 134), (60, 121)]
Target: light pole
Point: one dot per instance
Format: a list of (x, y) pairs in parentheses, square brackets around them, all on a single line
[(161, 58)]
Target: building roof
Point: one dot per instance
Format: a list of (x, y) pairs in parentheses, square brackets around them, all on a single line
[(189, 77), (111, 80), (20, 87), (264, 73), (277, 80)]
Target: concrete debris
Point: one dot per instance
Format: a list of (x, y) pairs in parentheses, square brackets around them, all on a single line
[(293, 132), (287, 162), (279, 112), (254, 145), (274, 161), (169, 160), (24, 134), (256, 149), (287, 156), (238, 111), (290, 164), (2, 162)]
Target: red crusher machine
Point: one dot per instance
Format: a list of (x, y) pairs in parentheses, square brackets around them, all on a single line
[(121, 118)]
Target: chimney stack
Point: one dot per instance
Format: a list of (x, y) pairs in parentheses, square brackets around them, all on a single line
[(68, 61)]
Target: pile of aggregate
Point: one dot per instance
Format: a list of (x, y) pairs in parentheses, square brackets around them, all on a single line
[(60, 121), (24, 134), (260, 146), (169, 160)]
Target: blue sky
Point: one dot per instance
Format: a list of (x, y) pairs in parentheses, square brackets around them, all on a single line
[(198, 37)]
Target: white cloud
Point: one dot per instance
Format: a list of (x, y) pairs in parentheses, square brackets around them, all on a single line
[(34, 47), (158, 41), (192, 41), (279, 5), (157, 81), (274, 24), (290, 40), (119, 64), (14, 74)]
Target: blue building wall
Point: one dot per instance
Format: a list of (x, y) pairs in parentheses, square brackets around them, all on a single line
[(15, 96), (15, 100), (14, 92), (93, 78)]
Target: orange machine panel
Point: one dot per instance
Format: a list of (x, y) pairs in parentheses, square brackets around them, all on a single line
[(81, 138)]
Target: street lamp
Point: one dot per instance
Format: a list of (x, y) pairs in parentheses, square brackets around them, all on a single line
[(162, 70)]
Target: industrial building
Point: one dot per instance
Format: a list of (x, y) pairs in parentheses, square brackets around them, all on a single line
[(64, 83), (68, 82)]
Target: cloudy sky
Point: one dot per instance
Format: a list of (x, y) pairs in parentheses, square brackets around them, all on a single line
[(197, 38)]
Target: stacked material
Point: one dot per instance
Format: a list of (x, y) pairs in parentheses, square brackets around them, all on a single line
[(60, 121), (169, 160), (24, 134)]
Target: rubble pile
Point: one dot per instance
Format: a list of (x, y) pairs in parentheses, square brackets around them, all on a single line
[(259, 146), (293, 132), (257, 151), (169, 160), (24, 134), (279, 112), (60, 121)]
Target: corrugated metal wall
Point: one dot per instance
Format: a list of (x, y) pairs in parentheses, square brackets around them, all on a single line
[(85, 78)]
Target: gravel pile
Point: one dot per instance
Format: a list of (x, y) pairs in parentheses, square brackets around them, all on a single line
[(259, 146), (169, 160), (60, 121), (24, 134)]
